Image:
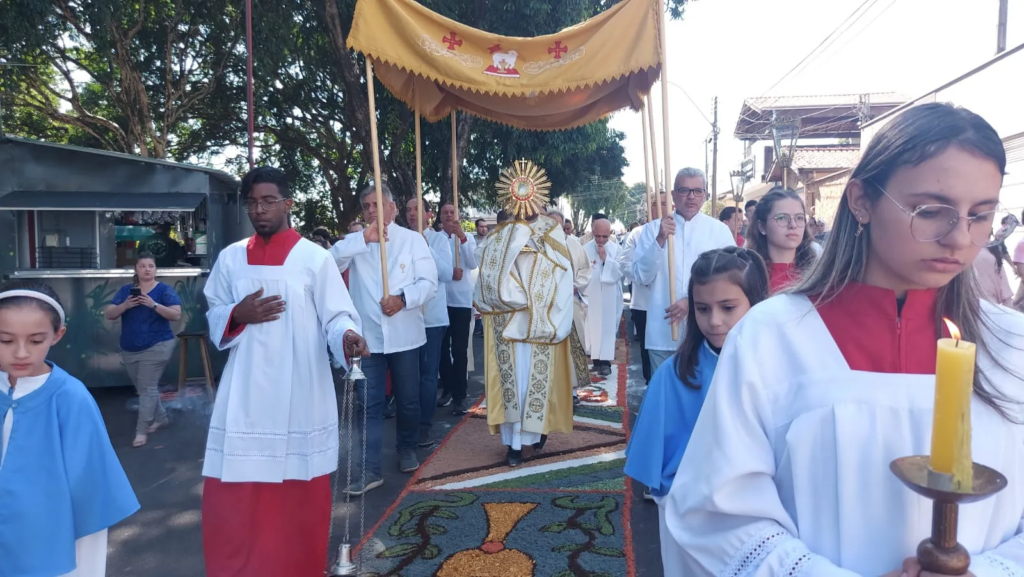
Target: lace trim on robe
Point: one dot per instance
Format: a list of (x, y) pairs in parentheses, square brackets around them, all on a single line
[(750, 557), (992, 560), (796, 566)]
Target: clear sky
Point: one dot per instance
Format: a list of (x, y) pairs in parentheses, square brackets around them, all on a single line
[(736, 49)]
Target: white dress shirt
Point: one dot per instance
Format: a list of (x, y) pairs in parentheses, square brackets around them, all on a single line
[(435, 312), (411, 271), (701, 234), (640, 293), (460, 292)]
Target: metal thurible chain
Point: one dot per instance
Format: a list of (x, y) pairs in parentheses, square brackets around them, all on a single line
[(347, 400), (362, 501)]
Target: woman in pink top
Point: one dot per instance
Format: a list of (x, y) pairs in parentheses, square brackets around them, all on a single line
[(992, 282)]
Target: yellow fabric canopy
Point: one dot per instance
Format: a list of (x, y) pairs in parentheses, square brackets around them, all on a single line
[(551, 82)]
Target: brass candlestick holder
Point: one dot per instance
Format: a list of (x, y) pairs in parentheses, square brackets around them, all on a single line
[(941, 553)]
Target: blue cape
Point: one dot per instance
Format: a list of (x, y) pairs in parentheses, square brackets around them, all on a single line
[(60, 480), (665, 423)]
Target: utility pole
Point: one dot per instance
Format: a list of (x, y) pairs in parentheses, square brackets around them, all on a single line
[(1001, 33), (714, 161)]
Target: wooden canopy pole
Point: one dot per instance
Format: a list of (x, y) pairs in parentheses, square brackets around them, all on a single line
[(376, 178), (654, 156), (647, 162), (419, 170), (668, 162), (455, 186)]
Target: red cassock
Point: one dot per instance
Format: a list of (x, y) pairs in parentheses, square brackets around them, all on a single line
[(266, 529)]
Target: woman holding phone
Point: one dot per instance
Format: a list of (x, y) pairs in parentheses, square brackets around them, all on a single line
[(146, 308)]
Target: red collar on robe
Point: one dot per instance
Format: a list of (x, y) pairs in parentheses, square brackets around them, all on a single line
[(780, 276), (273, 252), (873, 335)]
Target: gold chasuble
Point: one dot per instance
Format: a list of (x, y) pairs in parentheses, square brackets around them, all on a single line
[(525, 292)]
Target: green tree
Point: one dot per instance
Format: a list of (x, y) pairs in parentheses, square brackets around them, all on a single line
[(132, 75), (607, 196)]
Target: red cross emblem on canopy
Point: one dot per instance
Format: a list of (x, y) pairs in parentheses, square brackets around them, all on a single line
[(452, 41), (558, 50)]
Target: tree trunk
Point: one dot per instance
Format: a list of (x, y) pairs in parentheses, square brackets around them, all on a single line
[(463, 127)]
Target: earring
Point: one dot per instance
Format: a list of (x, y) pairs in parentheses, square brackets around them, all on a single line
[(860, 228)]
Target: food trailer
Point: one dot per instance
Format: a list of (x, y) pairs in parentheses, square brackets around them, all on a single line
[(77, 218)]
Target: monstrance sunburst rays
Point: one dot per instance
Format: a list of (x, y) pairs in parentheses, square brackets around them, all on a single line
[(523, 188)]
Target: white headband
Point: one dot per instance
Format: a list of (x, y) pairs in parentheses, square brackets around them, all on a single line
[(35, 295)]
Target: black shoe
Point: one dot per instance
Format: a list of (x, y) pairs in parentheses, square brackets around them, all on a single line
[(407, 461), (604, 371), (540, 444), (389, 407), (445, 400), (425, 439), (514, 458), (460, 408)]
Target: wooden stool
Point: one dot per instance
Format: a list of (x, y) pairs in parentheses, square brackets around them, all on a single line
[(204, 352)]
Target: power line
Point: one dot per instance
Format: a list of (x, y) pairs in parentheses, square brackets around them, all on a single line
[(692, 102), (835, 33)]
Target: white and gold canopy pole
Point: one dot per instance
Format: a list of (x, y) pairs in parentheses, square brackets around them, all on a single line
[(376, 176), (419, 171), (455, 187), (654, 154), (647, 162), (668, 161)]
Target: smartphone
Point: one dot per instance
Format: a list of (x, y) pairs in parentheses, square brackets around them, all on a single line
[(135, 291)]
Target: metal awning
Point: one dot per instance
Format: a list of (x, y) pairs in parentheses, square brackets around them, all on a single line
[(35, 200)]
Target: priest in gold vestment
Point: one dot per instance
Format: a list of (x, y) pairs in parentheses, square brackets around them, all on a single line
[(525, 292)]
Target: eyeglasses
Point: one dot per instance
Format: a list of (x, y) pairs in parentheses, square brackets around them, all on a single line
[(932, 222), (692, 192), (266, 205), (786, 220)]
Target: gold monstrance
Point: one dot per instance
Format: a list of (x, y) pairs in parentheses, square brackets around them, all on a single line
[(523, 189)]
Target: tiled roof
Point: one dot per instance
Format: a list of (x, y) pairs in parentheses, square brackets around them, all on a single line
[(777, 102), (825, 157)]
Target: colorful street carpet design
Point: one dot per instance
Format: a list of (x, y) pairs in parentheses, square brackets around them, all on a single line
[(466, 513)]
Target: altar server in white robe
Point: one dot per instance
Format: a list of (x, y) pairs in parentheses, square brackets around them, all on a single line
[(694, 233), (393, 325), (604, 296), (276, 303), (818, 391)]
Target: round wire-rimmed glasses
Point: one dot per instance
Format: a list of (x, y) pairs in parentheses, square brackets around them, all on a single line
[(785, 220), (932, 222)]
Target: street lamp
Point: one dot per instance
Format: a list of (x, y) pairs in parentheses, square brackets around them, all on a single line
[(785, 132), (739, 179)]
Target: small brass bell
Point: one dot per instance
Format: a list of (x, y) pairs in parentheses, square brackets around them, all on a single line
[(343, 565)]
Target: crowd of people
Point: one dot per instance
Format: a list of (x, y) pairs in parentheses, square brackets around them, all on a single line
[(786, 366)]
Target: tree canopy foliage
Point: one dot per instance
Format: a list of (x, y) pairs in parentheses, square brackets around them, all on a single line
[(167, 79)]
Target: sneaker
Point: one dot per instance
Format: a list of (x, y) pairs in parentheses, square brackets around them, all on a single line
[(357, 489), (389, 407), (647, 494), (407, 461), (445, 400), (460, 408), (425, 439)]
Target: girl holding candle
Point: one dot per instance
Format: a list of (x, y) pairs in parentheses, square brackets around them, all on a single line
[(782, 237), (724, 284), (817, 391)]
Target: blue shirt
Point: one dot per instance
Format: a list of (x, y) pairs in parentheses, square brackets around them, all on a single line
[(60, 480), (142, 327), (665, 423)]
